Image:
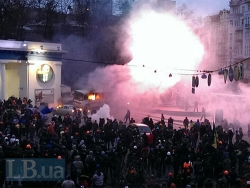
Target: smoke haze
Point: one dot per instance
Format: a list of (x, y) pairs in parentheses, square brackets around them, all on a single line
[(125, 91), (154, 40)]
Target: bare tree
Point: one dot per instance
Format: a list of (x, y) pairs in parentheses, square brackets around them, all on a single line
[(65, 9), (184, 12), (14, 16), (124, 6), (47, 15)]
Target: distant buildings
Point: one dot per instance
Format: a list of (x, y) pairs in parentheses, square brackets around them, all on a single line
[(226, 35)]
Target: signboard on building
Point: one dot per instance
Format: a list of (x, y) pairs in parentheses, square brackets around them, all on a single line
[(44, 95), (45, 73)]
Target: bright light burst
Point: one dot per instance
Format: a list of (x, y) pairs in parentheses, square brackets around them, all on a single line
[(161, 44)]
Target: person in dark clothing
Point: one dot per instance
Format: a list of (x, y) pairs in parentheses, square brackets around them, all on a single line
[(127, 116), (196, 106), (145, 140), (170, 123), (230, 136), (203, 113), (186, 123)]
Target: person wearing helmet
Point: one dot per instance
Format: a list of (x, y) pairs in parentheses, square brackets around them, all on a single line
[(90, 162), (222, 181), (73, 152), (197, 168), (98, 179), (12, 139), (170, 179), (81, 143), (68, 183), (77, 167), (168, 163), (28, 152)]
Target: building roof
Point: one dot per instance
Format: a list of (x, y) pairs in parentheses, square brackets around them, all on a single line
[(28, 46)]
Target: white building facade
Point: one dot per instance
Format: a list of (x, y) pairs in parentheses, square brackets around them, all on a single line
[(31, 70)]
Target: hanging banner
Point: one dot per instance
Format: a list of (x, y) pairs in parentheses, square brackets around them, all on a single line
[(221, 72), (193, 90), (197, 81), (241, 72), (209, 79), (231, 74), (236, 73), (225, 75), (193, 81)]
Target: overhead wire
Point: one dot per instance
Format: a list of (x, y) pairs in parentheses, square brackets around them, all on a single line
[(172, 71)]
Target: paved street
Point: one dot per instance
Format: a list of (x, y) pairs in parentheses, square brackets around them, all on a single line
[(178, 114)]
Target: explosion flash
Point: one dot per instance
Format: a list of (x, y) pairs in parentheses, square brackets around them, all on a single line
[(161, 45)]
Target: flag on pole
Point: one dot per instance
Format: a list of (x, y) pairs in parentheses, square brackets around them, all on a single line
[(215, 136)]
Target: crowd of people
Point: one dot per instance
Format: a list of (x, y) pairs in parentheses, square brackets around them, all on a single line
[(110, 153)]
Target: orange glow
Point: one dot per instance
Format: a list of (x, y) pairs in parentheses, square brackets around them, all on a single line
[(91, 97), (94, 97), (162, 45), (98, 97)]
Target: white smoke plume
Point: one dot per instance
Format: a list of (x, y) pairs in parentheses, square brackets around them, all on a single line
[(103, 112)]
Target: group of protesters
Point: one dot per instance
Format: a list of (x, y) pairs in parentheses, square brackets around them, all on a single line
[(112, 153)]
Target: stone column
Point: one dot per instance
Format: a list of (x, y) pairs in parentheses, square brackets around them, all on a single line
[(3, 84)]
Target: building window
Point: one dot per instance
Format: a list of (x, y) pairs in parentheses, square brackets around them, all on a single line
[(231, 23), (243, 9)]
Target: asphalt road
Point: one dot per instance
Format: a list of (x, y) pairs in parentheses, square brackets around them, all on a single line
[(178, 114)]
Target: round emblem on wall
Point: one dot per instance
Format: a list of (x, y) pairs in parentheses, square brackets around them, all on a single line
[(45, 73)]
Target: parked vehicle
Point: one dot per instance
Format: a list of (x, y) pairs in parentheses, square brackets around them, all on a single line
[(89, 101), (66, 109), (142, 128)]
